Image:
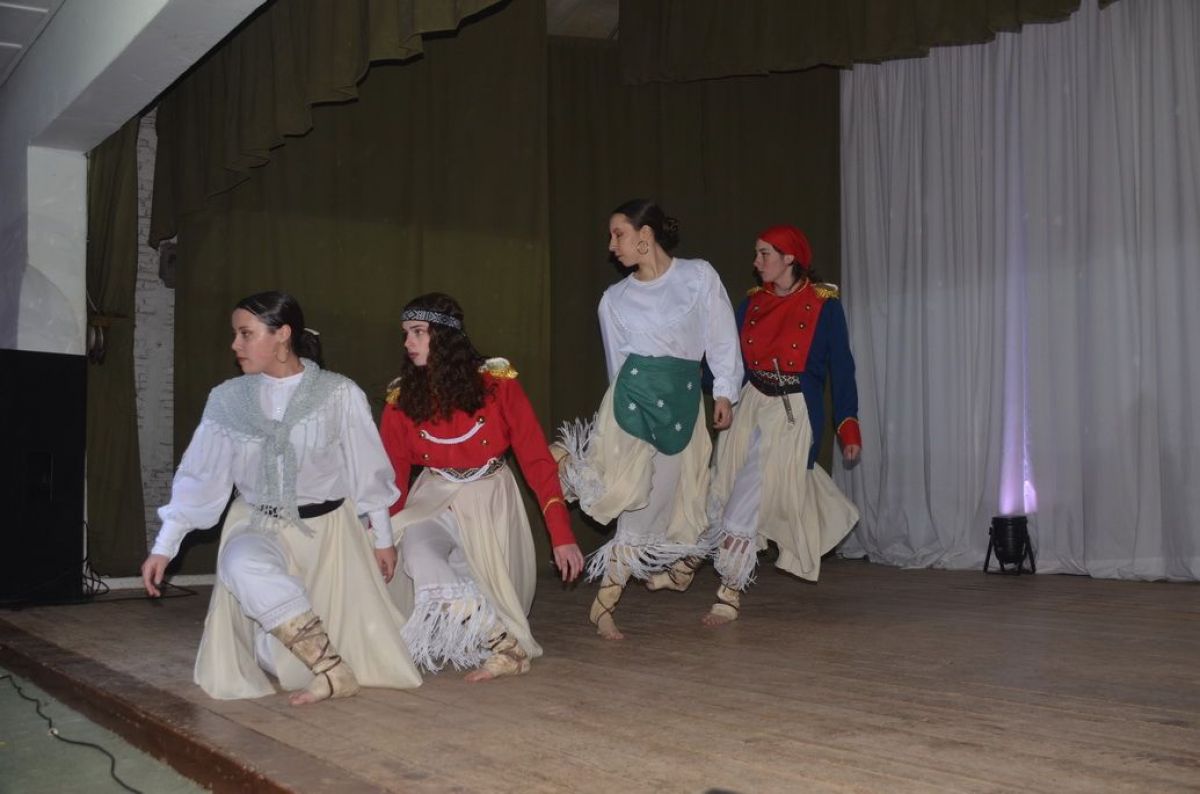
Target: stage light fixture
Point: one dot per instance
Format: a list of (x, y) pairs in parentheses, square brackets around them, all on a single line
[(1009, 541)]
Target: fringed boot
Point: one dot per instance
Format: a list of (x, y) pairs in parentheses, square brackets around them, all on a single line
[(729, 601), (678, 577), (306, 637), (505, 657)]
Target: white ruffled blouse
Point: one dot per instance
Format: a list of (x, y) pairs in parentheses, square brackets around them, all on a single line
[(684, 313), (339, 456)]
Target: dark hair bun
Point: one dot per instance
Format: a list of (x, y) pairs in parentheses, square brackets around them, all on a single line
[(670, 233), (308, 345), (643, 212)]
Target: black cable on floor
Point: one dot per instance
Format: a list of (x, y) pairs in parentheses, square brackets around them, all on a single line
[(164, 587), (37, 705), (94, 591), (93, 585)]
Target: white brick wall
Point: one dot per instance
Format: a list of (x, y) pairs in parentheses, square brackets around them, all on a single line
[(153, 348)]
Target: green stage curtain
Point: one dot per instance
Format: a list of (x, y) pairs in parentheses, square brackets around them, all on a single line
[(726, 157), (435, 179), (679, 40), (229, 114), (116, 537)]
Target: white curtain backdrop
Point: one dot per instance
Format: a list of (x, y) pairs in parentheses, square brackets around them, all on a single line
[(1021, 242)]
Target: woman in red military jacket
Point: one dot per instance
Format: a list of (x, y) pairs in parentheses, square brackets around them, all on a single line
[(463, 536), (767, 485)]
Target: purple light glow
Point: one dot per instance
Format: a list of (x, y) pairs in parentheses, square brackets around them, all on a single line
[(1018, 496)]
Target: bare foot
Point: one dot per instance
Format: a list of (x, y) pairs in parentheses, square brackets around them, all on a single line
[(606, 627), (303, 698), (663, 581), (507, 659), (714, 619), (601, 613), (475, 676), (338, 681), (678, 577), (729, 601)]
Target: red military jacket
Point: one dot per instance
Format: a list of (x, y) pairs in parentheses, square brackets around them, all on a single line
[(805, 332), (468, 441)]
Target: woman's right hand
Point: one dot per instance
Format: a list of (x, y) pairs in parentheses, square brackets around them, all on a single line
[(722, 413), (153, 571), (569, 561)]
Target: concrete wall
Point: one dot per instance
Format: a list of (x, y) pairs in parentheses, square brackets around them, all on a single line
[(43, 194), (96, 64), (53, 307)]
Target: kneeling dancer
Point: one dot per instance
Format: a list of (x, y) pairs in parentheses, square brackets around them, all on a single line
[(465, 542), (300, 593)]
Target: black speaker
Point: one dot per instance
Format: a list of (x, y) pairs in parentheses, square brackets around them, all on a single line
[(43, 410)]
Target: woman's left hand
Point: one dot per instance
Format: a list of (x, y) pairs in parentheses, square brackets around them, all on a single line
[(722, 413), (569, 560), (850, 452), (385, 558)]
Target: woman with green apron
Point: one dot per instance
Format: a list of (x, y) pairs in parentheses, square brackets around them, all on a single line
[(644, 458)]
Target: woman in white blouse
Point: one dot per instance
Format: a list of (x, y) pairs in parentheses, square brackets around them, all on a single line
[(644, 458), (300, 592)]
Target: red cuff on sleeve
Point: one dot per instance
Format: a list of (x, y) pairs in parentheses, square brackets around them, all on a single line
[(849, 433)]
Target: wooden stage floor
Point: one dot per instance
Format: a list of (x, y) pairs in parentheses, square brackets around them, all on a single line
[(876, 679)]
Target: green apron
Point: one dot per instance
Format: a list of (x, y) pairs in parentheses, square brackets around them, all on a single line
[(657, 399)]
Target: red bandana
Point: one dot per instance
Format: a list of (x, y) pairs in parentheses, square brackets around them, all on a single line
[(788, 239)]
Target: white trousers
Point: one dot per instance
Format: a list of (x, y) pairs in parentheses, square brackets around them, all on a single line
[(647, 525), (745, 499), (433, 552), (451, 621), (736, 552), (253, 568)]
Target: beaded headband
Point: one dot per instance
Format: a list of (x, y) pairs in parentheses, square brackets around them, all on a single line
[(424, 315)]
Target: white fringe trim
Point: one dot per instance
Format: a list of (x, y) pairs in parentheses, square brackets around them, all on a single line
[(578, 478), (735, 564), (450, 624), (640, 562)]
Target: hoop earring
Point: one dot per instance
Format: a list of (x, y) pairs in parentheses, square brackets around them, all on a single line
[(643, 247), (285, 354)]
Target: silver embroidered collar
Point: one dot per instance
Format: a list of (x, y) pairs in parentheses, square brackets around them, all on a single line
[(236, 407)]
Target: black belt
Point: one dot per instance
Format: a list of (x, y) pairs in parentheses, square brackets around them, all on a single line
[(774, 385), (317, 509)]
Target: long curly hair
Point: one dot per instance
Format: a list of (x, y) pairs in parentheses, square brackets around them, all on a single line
[(450, 381)]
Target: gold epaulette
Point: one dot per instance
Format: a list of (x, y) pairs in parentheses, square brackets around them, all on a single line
[(752, 291), (826, 291), (499, 368), (393, 392)]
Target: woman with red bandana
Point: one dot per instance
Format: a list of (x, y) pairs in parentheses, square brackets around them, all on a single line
[(767, 485), (466, 571)]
